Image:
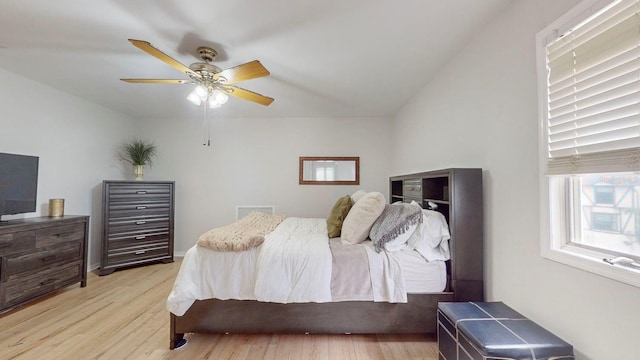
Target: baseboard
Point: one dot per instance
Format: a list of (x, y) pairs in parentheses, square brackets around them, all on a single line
[(177, 254)]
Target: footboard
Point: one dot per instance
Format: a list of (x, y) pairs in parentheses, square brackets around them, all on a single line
[(418, 315)]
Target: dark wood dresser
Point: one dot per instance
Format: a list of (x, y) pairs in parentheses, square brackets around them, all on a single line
[(137, 223), (41, 255)]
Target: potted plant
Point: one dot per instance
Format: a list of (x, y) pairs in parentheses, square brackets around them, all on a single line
[(138, 153)]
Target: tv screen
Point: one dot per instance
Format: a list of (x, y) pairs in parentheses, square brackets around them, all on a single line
[(18, 183)]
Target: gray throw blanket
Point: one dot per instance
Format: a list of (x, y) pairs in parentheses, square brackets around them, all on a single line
[(394, 220)]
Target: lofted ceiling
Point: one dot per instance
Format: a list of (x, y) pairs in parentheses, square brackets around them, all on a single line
[(331, 58)]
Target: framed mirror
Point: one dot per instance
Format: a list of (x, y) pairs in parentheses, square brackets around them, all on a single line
[(329, 170)]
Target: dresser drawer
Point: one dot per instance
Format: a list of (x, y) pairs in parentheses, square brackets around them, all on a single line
[(12, 265), (132, 255), (137, 227), (139, 191), (34, 285), (17, 242), (59, 234), (141, 239), (139, 219), (140, 206), (139, 247)]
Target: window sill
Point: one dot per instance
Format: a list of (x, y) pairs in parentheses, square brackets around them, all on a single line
[(591, 261)]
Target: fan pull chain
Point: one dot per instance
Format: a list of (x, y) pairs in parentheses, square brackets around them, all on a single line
[(209, 129), (206, 125)]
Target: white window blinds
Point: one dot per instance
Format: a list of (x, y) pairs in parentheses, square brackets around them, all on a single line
[(593, 119)]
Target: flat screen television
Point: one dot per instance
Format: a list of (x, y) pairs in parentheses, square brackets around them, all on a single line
[(18, 184)]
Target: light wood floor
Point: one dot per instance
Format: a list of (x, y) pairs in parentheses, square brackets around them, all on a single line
[(123, 316)]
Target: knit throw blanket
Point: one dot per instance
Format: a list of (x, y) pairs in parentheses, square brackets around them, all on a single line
[(241, 235), (394, 220)]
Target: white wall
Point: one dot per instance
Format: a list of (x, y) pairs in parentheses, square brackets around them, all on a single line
[(481, 111), (75, 140), (255, 162)]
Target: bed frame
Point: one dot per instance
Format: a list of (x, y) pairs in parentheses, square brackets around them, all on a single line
[(465, 282)]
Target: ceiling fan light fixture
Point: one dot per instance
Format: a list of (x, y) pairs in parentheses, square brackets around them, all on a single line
[(214, 98), (213, 104), (220, 96), (201, 91), (195, 98), (217, 99)]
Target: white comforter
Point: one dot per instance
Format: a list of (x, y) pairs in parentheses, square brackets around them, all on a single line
[(292, 265), (295, 263), (208, 274)]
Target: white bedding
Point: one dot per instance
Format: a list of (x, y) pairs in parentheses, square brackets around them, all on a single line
[(293, 265), (206, 274), (387, 281), (420, 276)]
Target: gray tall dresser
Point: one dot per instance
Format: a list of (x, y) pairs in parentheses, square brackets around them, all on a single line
[(137, 223)]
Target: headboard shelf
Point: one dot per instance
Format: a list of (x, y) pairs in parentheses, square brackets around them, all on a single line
[(457, 192)]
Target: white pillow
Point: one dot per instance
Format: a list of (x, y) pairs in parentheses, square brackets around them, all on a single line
[(400, 242), (357, 196), (431, 238), (357, 224)]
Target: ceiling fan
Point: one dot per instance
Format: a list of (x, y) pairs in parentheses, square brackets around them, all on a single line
[(211, 81)]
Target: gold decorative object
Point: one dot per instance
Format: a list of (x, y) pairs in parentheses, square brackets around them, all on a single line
[(138, 172), (56, 207)]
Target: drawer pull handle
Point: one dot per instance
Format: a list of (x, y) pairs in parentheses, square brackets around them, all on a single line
[(64, 234), (47, 282), (140, 252), (140, 237), (141, 207), (140, 222), (48, 258), (142, 192), (5, 245)]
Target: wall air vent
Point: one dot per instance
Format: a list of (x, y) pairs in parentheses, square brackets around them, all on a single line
[(243, 210)]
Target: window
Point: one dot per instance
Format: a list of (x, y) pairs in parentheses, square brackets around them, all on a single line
[(589, 80), (603, 222), (610, 224), (604, 194)]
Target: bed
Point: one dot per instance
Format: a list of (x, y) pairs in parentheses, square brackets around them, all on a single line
[(225, 306)]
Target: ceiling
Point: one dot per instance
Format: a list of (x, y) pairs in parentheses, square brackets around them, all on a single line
[(330, 58)]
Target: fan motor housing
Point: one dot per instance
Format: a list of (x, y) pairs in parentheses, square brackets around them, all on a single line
[(205, 70), (207, 54)]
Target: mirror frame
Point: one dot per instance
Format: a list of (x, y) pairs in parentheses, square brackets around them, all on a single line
[(301, 181)]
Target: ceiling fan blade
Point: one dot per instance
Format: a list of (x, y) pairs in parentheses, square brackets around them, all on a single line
[(157, 81), (148, 48), (246, 95), (247, 71)]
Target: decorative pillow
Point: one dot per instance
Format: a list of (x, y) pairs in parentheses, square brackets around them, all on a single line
[(357, 196), (337, 215), (394, 222), (431, 238), (357, 224)]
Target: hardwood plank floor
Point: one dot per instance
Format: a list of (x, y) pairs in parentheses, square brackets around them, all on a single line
[(123, 316)]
